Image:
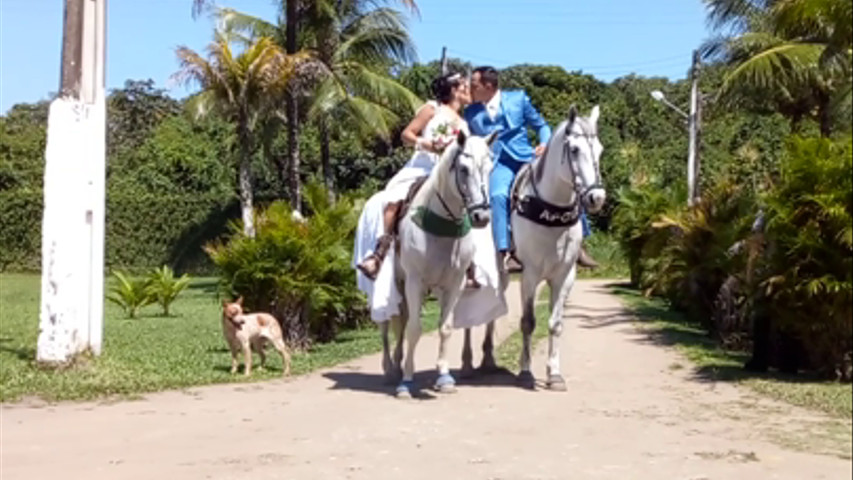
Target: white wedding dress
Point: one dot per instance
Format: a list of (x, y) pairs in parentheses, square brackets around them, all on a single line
[(476, 306)]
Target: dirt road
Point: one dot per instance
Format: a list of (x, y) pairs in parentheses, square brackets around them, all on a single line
[(627, 415)]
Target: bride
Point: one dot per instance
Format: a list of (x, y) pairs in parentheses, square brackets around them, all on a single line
[(433, 128)]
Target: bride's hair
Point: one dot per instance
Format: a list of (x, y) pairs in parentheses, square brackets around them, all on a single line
[(442, 87)]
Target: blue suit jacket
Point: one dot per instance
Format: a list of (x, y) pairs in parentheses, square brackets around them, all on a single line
[(513, 118)]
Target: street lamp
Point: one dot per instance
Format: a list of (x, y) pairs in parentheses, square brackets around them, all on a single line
[(660, 97)]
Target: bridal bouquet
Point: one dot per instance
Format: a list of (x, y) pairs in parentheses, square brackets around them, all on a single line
[(445, 133)]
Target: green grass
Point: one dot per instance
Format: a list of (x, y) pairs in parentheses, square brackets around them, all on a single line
[(149, 353), (606, 251), (714, 363), (509, 351)]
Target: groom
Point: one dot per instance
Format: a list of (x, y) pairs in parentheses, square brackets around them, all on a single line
[(511, 112)]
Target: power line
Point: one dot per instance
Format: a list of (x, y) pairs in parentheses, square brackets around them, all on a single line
[(660, 63)]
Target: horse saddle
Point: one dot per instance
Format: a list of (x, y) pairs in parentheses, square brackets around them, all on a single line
[(405, 203)]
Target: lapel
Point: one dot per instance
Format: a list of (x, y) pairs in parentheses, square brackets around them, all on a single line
[(505, 111)]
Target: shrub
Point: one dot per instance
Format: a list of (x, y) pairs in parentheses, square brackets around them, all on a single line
[(299, 271), (164, 288), (809, 260), (632, 221), (691, 245), (129, 294)]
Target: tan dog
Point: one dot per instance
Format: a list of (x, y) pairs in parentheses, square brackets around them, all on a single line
[(251, 332)]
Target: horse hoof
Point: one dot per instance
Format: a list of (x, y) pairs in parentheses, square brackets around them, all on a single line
[(445, 383), (556, 383), (404, 390), (526, 380)]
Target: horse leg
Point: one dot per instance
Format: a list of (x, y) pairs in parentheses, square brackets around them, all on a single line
[(414, 301), (467, 356), (445, 382), (528, 324), (387, 364), (488, 364), (559, 293)]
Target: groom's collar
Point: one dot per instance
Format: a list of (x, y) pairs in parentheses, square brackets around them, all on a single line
[(493, 106)]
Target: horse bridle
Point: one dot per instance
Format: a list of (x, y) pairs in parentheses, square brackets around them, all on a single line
[(567, 155), (463, 189)]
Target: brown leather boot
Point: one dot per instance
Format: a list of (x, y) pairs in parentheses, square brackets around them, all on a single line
[(370, 266), (585, 260)]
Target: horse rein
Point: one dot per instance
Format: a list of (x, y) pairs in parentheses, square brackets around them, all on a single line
[(463, 191)]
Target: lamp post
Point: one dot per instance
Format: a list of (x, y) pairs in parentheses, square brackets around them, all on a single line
[(693, 125)]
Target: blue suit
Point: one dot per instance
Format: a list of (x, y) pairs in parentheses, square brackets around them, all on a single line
[(511, 150)]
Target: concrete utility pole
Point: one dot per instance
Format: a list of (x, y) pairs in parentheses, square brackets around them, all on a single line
[(72, 286), (694, 124), (443, 60)]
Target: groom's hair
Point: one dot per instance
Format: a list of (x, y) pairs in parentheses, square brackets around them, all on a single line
[(488, 75)]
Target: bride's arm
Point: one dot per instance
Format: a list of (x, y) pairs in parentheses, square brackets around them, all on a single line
[(411, 134)]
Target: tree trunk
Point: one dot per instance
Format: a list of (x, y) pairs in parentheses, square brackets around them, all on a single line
[(824, 114), (325, 155), (292, 107), (293, 149), (245, 180)]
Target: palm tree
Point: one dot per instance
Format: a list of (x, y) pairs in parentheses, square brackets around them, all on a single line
[(354, 41), (239, 88), (798, 50)]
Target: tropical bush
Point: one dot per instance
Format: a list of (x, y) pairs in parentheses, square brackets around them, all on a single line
[(632, 223), (691, 245), (130, 294), (164, 288), (298, 270), (806, 272)]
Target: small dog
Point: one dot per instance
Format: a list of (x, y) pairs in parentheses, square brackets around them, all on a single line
[(251, 332)]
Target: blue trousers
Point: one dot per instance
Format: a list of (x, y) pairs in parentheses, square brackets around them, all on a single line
[(500, 183)]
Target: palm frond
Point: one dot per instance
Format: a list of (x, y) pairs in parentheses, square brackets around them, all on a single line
[(792, 63)]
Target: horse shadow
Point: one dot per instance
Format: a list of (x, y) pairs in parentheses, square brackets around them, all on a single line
[(375, 383)]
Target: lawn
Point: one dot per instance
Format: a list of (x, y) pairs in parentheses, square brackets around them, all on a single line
[(149, 353), (714, 363)]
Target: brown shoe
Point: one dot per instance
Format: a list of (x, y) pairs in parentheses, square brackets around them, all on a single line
[(370, 266), (586, 261)]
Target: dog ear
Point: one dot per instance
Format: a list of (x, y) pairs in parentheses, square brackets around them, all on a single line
[(239, 301)]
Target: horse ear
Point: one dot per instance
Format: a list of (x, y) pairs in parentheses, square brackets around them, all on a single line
[(593, 115), (573, 114), (491, 138), (224, 302), (460, 138), (239, 301)]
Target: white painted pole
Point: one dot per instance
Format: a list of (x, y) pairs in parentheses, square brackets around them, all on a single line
[(71, 313), (693, 123)]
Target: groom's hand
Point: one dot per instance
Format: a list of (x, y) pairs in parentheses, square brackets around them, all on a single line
[(539, 150)]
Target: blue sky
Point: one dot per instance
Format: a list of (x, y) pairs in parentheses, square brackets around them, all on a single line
[(606, 38)]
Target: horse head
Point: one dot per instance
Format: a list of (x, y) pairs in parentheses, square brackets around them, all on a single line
[(468, 168), (582, 151)]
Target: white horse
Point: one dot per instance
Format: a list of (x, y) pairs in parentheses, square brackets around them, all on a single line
[(547, 234), (435, 249)]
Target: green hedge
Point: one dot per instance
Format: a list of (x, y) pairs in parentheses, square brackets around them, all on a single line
[(143, 229)]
